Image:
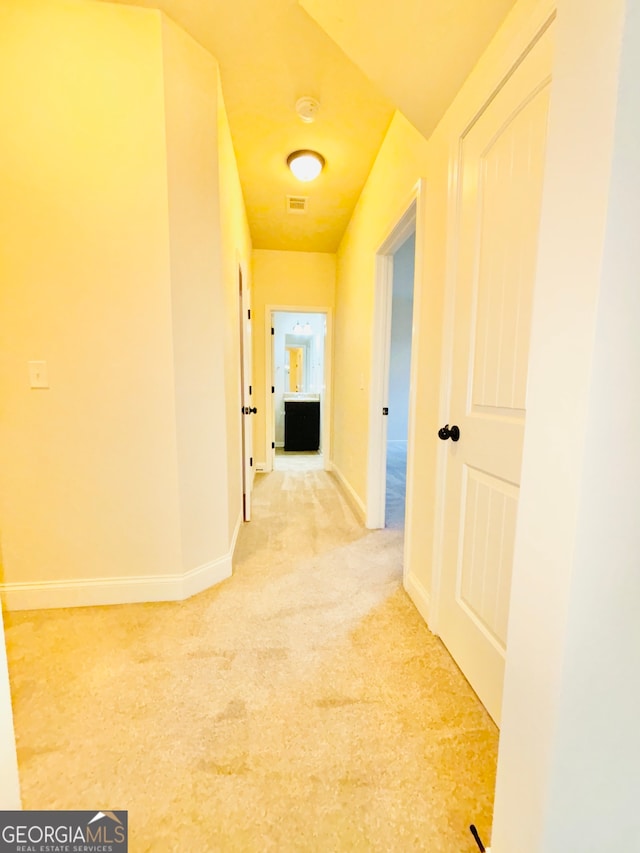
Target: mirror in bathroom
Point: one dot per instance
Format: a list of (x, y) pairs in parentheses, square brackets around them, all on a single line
[(297, 363)]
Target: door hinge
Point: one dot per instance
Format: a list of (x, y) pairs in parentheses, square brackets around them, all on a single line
[(385, 411), (273, 389), (248, 313), (250, 390), (273, 445), (273, 331), (251, 462)]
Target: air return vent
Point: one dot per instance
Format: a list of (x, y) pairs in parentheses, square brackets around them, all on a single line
[(297, 203)]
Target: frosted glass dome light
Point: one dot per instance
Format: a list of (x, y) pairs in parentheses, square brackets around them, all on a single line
[(305, 165)]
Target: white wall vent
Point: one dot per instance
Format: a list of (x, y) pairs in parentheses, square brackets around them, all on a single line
[(297, 203)]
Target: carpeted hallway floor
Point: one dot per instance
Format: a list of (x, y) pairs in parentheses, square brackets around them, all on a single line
[(302, 705), (396, 485)]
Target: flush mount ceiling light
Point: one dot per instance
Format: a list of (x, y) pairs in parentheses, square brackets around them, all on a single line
[(305, 165)]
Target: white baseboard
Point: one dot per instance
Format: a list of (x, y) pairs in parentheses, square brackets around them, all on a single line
[(353, 499), (203, 577), (261, 467), (417, 592), (91, 592)]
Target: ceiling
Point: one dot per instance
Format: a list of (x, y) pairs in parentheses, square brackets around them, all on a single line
[(416, 54)]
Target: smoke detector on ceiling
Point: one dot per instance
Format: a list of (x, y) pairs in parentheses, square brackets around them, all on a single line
[(307, 108)]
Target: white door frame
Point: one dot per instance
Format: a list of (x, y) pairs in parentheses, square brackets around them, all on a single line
[(410, 219), (325, 422), (246, 426)]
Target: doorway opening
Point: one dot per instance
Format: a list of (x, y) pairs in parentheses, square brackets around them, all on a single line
[(392, 403), (297, 425), (399, 382)]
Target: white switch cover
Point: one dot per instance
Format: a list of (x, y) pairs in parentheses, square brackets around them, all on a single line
[(38, 374)]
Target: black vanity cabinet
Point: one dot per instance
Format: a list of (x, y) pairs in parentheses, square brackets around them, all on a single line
[(302, 424)]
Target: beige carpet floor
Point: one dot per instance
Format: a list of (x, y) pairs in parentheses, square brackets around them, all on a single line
[(297, 460), (396, 485), (302, 705)]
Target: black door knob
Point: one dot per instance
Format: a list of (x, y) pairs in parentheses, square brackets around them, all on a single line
[(251, 411), (446, 432)]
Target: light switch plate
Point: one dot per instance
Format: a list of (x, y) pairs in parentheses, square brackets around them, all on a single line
[(38, 374)]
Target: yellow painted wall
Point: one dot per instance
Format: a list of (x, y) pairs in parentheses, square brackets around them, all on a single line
[(197, 302), (401, 162), (116, 269), (236, 251), (304, 279), (89, 481)]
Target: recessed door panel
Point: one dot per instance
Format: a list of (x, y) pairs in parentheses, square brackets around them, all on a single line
[(488, 515), (500, 173), (510, 176)]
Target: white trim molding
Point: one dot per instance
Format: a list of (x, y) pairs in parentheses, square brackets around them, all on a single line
[(352, 498), (419, 596), (92, 592), (408, 220), (205, 576)]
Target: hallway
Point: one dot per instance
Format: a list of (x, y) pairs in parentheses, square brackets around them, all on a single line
[(300, 706)]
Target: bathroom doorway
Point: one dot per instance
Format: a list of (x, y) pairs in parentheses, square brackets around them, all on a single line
[(297, 360)]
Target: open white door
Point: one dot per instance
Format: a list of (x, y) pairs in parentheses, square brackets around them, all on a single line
[(500, 184), (246, 395)]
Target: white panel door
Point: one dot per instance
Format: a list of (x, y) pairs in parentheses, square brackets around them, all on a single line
[(501, 159)]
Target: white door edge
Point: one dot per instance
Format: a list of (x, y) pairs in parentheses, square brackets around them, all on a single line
[(418, 284)]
